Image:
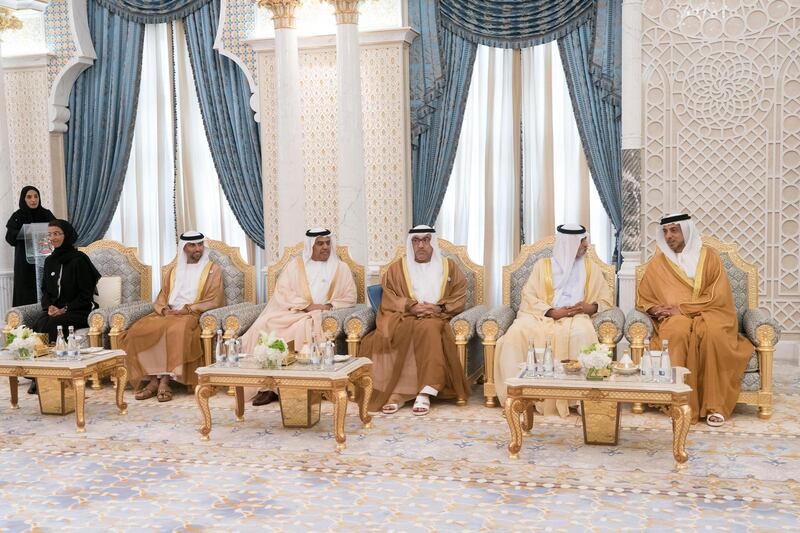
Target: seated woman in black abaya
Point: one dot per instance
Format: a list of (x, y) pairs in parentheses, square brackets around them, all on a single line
[(68, 283)]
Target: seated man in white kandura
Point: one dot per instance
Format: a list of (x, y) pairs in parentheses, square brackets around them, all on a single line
[(306, 287), (557, 303)]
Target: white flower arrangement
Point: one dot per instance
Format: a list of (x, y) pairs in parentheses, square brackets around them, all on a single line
[(596, 356), (22, 340), (270, 350)]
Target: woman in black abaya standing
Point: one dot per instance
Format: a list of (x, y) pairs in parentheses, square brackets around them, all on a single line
[(30, 211)]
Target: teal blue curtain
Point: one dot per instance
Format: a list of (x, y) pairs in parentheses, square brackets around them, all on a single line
[(426, 69), (231, 129), (439, 82), (593, 75), (102, 106), (152, 11), (433, 153), (513, 23)]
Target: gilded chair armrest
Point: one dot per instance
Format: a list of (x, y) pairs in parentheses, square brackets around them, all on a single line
[(23, 314), (635, 323), (232, 319), (465, 323), (609, 325), (126, 315), (100, 319), (360, 322), (753, 321), (496, 322), (333, 321)]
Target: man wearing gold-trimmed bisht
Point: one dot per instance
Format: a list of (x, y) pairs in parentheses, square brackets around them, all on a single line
[(686, 291), (413, 348), (165, 345), (306, 287), (557, 302)]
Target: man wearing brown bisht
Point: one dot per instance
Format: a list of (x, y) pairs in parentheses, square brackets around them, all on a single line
[(165, 345), (686, 291), (413, 349)]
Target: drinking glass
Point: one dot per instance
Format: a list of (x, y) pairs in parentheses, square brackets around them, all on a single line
[(539, 354), (316, 354)]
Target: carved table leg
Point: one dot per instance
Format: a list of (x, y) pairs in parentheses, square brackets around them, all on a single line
[(80, 403), (13, 384), (121, 373), (681, 420), (339, 399), (514, 406), (239, 404), (638, 408), (527, 421), (365, 384), (96, 381), (202, 393)]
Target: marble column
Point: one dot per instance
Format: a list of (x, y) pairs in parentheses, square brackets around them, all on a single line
[(8, 197), (631, 150), (352, 205), (291, 183)]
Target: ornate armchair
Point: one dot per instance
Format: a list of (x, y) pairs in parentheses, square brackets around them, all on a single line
[(493, 325), (240, 286), (239, 319), (754, 323), (362, 321), (111, 259)]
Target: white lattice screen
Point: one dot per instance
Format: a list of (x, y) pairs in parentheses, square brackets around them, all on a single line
[(722, 131)]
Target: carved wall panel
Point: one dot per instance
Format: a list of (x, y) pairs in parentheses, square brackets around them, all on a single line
[(318, 110), (722, 131), (385, 141), (384, 118), (269, 154), (58, 32), (29, 148)]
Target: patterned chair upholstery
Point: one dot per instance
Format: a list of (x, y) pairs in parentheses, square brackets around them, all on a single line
[(240, 319), (494, 324), (110, 258), (239, 280), (754, 323), (470, 351)]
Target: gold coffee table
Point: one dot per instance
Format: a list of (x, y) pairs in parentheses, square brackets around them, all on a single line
[(600, 405), (301, 389), (72, 374)]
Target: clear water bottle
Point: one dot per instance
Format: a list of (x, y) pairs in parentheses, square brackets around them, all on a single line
[(548, 360), (530, 364), (61, 344), (219, 351), (665, 368), (73, 349), (645, 365)]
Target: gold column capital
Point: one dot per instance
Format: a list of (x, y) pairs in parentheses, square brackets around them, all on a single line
[(346, 11), (8, 21), (282, 12)]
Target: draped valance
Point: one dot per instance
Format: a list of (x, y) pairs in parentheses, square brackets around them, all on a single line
[(152, 11), (513, 23)]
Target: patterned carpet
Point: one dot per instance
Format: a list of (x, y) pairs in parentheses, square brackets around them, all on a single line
[(449, 471)]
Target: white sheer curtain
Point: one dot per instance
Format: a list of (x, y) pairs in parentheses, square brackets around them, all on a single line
[(480, 206), (145, 216), (163, 197), (512, 91)]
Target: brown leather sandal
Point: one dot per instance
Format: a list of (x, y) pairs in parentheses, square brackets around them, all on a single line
[(164, 395), (147, 392)]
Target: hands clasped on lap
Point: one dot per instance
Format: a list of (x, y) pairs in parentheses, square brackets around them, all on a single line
[(424, 309), (558, 313)]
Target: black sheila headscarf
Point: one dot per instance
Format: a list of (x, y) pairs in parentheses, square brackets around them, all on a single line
[(25, 214), (67, 251)]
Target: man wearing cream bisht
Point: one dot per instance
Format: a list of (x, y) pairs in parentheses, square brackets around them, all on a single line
[(558, 301), (306, 287)]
